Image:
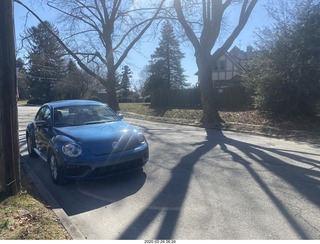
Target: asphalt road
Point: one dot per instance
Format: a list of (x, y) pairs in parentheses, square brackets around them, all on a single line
[(199, 184)]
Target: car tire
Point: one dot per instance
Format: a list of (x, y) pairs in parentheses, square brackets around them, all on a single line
[(31, 151), (55, 170)]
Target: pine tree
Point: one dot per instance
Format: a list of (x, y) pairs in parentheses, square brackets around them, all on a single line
[(46, 66), (165, 64), (125, 82), (123, 87)]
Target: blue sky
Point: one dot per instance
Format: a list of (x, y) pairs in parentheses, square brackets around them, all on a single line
[(138, 59)]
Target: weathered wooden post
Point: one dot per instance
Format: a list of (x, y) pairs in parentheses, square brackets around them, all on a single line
[(9, 135)]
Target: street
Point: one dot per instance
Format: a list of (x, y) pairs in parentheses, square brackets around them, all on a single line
[(199, 184)]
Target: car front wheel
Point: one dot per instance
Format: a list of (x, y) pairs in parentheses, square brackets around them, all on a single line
[(31, 151), (55, 170)]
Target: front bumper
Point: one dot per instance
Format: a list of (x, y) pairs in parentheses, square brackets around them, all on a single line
[(107, 165)]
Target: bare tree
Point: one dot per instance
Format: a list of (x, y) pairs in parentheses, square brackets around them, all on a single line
[(99, 34), (202, 22)]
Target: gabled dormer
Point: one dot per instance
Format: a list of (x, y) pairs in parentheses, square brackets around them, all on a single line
[(227, 70)]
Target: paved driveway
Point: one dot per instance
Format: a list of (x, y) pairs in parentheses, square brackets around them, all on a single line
[(199, 184)]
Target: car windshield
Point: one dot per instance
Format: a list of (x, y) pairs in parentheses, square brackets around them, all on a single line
[(83, 115)]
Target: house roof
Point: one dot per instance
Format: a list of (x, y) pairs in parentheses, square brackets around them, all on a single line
[(233, 61), (237, 56)]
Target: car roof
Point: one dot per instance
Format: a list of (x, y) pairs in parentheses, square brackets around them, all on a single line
[(65, 103)]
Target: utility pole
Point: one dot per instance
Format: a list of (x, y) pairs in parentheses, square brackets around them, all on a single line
[(9, 136)]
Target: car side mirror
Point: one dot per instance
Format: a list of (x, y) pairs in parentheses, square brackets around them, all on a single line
[(41, 123), (120, 116)]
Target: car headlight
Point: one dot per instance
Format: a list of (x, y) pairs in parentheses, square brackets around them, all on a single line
[(141, 138), (72, 150)]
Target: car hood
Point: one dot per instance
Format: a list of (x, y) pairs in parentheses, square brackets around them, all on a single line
[(104, 138)]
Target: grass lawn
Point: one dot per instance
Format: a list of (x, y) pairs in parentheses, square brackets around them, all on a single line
[(248, 117), (26, 217)]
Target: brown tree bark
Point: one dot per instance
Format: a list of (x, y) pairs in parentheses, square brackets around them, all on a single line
[(9, 135), (210, 114), (203, 40)]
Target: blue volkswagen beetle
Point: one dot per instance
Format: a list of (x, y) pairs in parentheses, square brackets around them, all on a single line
[(84, 139)]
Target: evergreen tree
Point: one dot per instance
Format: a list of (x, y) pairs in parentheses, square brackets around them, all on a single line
[(126, 76), (46, 66), (123, 88), (165, 64), (284, 77)]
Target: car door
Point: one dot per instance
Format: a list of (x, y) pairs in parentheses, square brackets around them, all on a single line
[(43, 129)]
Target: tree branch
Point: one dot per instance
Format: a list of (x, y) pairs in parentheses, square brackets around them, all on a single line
[(243, 18), (136, 39), (93, 25), (80, 63), (189, 32)]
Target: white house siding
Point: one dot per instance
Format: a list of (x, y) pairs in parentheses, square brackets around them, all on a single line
[(228, 73)]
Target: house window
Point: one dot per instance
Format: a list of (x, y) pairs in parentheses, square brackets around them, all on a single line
[(215, 66), (220, 65)]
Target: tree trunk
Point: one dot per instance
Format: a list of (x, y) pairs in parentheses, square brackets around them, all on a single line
[(112, 99), (210, 114)]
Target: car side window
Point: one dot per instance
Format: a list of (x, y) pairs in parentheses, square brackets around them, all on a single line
[(44, 114)]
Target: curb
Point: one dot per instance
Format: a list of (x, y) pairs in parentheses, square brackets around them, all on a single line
[(268, 131), (62, 216)]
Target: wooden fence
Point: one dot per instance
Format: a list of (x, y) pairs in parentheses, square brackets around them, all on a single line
[(227, 98)]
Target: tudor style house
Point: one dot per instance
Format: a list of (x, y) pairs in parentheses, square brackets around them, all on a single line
[(227, 70)]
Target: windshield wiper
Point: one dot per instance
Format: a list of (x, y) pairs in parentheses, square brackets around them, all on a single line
[(98, 122)]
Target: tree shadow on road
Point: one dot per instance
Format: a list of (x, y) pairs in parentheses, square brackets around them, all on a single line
[(302, 177), (169, 201)]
